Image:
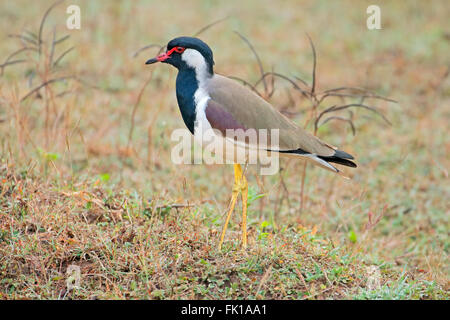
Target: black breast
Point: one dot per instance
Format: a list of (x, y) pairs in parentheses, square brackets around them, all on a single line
[(186, 86)]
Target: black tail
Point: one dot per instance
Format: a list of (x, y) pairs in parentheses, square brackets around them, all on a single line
[(340, 157)]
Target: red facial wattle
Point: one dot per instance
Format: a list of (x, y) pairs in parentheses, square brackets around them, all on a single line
[(164, 56)]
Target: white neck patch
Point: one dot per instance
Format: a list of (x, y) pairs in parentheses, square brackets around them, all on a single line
[(194, 59)]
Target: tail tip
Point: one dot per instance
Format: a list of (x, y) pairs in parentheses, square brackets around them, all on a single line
[(343, 155)]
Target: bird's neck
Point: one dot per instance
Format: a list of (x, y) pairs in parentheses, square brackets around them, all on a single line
[(187, 86)]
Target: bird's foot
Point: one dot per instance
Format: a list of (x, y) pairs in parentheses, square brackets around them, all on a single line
[(240, 186)]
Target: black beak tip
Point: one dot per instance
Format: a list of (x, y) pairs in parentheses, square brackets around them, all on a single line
[(151, 61)]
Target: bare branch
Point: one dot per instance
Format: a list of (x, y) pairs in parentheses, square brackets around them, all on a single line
[(313, 86), (133, 113), (32, 34), (359, 89), (41, 27), (301, 80), (247, 84), (356, 105), (62, 56), (279, 75), (8, 62), (272, 84), (258, 60), (348, 88), (52, 50), (23, 38), (62, 39), (2, 66), (19, 51), (147, 47), (372, 96), (64, 93), (46, 83), (93, 86), (349, 121)]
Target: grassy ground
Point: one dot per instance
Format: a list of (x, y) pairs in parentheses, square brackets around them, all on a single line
[(86, 181)]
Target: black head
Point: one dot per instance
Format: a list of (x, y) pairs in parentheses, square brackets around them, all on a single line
[(177, 55)]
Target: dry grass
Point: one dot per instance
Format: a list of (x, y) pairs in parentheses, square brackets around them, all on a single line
[(86, 178)]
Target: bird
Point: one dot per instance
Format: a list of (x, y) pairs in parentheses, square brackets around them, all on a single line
[(209, 100)]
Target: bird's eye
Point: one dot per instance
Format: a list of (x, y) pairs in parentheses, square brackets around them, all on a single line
[(180, 49)]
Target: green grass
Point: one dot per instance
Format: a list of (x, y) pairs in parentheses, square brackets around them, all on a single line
[(77, 189)]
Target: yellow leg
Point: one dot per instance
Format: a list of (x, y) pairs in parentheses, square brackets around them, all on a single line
[(240, 186), (230, 211)]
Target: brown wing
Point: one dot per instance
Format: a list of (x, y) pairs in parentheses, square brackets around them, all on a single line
[(235, 106)]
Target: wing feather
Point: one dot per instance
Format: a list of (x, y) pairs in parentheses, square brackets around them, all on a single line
[(233, 105)]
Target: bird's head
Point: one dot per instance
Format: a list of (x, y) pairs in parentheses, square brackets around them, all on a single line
[(187, 52)]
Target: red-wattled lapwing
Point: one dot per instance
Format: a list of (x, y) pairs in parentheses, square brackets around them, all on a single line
[(209, 100)]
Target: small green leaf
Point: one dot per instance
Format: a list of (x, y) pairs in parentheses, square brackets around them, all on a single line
[(49, 156), (253, 196), (352, 236), (52, 156), (104, 177)]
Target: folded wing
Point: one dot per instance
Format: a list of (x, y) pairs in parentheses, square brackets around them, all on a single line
[(233, 106)]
